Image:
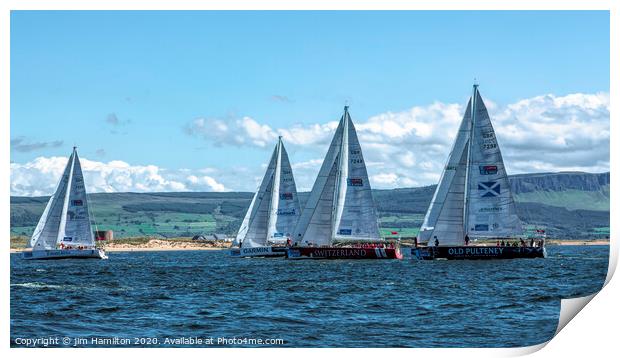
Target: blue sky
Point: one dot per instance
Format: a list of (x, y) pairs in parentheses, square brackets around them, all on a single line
[(129, 86)]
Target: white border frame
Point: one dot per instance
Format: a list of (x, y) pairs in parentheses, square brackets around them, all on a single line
[(591, 333)]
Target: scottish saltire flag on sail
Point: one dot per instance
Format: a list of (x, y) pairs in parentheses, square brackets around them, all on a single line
[(473, 196)]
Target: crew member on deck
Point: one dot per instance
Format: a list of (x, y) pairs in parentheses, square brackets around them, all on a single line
[(466, 240), (436, 241)]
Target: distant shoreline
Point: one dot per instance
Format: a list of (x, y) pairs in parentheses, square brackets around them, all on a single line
[(146, 244), (145, 249), (577, 242), (163, 245)]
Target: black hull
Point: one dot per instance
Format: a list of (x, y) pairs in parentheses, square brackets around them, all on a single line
[(477, 252)]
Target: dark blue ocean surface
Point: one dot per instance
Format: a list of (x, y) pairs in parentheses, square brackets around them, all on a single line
[(408, 303)]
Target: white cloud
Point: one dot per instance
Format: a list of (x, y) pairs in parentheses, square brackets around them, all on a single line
[(249, 132), (385, 179), (309, 135), (40, 177), (409, 148), (239, 132), (550, 133), (401, 148), (305, 173)]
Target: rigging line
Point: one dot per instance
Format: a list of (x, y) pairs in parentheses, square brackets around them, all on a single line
[(89, 203), (467, 190), (336, 200), (275, 192), (63, 219)]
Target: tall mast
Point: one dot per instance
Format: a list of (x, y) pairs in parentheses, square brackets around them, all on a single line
[(341, 180), (469, 158), (65, 207), (275, 192)]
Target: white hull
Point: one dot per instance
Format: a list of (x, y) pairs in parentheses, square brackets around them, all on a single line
[(260, 251), (64, 254)]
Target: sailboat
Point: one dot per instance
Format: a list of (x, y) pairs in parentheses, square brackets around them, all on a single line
[(273, 212), (339, 220), (64, 230), (473, 200)]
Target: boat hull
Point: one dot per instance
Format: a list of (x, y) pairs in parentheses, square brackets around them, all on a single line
[(296, 253), (64, 254), (477, 252), (260, 251), (263, 251)]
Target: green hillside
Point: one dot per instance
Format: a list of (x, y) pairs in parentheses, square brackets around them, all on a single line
[(570, 199), (157, 214), (550, 201)]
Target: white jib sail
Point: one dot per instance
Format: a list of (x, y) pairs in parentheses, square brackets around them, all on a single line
[(45, 234), (315, 224), (274, 210), (340, 206), (243, 229), (444, 217), (490, 207), (65, 218)]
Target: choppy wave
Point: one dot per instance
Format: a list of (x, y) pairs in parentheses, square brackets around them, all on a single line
[(305, 303), (39, 285)]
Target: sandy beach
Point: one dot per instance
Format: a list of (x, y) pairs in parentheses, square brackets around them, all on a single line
[(156, 245), (187, 245), (165, 245)]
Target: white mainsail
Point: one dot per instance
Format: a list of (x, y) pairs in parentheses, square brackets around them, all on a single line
[(340, 206), (274, 209), (490, 207), (66, 217), (473, 196)]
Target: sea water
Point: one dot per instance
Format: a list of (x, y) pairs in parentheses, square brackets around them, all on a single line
[(206, 298)]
